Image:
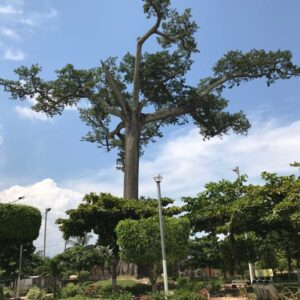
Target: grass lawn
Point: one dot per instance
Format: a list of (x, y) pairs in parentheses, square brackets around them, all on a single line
[(122, 281)]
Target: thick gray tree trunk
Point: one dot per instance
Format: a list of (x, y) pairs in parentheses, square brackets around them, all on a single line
[(131, 164)]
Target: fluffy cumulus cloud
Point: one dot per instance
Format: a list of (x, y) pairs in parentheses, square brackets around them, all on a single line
[(42, 195)]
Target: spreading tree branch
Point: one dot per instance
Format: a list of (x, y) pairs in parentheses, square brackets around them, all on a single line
[(167, 113), (113, 85)]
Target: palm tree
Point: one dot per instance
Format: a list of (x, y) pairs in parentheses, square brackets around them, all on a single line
[(79, 240)]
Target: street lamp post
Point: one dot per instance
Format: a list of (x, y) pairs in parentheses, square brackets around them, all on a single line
[(237, 171), (19, 272), (158, 179), (45, 231), (297, 164)]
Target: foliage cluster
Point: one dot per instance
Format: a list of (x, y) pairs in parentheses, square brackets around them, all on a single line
[(19, 223), (36, 293), (268, 214)]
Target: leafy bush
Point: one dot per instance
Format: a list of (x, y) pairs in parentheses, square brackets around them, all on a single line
[(70, 290), (180, 294), (138, 289), (183, 282), (120, 294), (36, 293), (8, 292), (19, 222), (185, 295), (212, 285), (92, 290), (83, 276)]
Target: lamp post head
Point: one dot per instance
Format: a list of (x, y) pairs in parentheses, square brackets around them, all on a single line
[(48, 209), (21, 197), (295, 164), (157, 178), (236, 170)]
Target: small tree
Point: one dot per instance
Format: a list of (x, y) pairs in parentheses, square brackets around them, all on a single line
[(19, 224), (139, 242), (204, 252), (101, 214), (130, 100)]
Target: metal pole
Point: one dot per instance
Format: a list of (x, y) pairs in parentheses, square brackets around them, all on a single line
[(158, 179), (45, 232), (19, 273), (237, 171)]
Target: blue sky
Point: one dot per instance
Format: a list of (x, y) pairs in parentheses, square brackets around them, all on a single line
[(45, 160)]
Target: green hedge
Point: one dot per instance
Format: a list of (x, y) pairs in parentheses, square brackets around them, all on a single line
[(19, 222)]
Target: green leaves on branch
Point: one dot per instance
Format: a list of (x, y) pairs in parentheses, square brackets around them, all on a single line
[(19, 223), (139, 241), (236, 66), (101, 214)]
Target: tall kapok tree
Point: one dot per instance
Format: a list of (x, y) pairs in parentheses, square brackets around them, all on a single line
[(131, 100)]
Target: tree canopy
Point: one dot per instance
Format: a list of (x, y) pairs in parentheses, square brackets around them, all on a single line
[(269, 213), (101, 213), (19, 222), (132, 98), (139, 241)]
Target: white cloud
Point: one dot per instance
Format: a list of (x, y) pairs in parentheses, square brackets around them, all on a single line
[(16, 55), (16, 14), (27, 113), (10, 33), (42, 195), (186, 163), (9, 10), (37, 18)]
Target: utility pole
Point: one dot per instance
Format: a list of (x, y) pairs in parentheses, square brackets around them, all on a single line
[(158, 179), (237, 171), (19, 272)]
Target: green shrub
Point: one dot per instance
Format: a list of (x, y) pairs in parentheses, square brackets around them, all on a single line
[(83, 276), (70, 290), (8, 292), (36, 293), (180, 294), (138, 289), (183, 282), (214, 286), (92, 290)]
